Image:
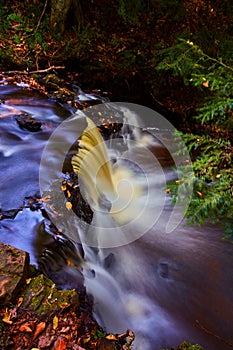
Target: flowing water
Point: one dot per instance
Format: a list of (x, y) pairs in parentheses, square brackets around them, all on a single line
[(167, 287)]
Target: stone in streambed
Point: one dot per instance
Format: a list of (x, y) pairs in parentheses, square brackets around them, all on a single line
[(29, 123), (42, 296), (14, 264)]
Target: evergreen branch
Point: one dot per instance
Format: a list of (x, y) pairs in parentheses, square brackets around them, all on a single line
[(199, 51)]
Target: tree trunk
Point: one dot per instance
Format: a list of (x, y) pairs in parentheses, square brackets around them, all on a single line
[(59, 11)]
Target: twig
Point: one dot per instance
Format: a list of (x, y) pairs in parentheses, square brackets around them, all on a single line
[(19, 72), (46, 70), (42, 14)]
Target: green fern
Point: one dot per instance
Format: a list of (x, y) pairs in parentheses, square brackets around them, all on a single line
[(212, 148)]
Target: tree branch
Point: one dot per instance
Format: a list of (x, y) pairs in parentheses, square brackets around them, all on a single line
[(19, 72), (42, 14), (46, 70)]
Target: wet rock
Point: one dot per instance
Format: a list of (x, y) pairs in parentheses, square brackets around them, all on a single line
[(63, 95), (27, 122), (42, 296), (187, 346), (106, 344), (14, 264), (163, 270), (53, 81)]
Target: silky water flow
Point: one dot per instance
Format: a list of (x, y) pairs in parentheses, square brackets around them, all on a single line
[(166, 287), (144, 268)]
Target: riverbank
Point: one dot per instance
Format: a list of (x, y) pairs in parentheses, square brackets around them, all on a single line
[(35, 314)]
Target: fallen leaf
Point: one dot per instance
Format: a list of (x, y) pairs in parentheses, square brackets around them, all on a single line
[(205, 84), (200, 194), (7, 316), (39, 329), (68, 205), (63, 187), (25, 328), (20, 301), (111, 337), (55, 322), (60, 344)]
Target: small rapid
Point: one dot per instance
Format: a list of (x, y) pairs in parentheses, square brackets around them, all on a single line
[(166, 287)]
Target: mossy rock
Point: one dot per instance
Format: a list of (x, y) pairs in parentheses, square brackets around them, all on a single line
[(42, 296), (14, 265), (187, 346)]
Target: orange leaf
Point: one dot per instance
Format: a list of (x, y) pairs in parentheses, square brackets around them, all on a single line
[(200, 194), (60, 344), (7, 316), (205, 84), (39, 329), (68, 205), (25, 328)]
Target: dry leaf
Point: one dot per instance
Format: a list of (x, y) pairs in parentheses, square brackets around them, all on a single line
[(111, 337), (20, 301), (39, 329), (45, 199), (63, 187), (25, 328), (205, 84), (7, 316), (55, 322), (60, 344), (68, 205)]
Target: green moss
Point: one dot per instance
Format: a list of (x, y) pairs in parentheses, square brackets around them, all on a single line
[(187, 346), (43, 297)]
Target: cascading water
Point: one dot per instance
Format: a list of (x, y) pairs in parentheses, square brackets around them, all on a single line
[(134, 243), (167, 287)]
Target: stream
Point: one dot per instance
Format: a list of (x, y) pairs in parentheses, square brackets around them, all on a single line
[(166, 287)]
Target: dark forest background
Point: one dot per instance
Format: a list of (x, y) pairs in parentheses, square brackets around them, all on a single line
[(173, 56)]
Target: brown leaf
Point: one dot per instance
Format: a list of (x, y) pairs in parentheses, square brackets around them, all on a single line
[(39, 329), (205, 84), (20, 301), (25, 328), (60, 344), (7, 316)]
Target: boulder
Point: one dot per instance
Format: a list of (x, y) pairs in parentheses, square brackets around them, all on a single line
[(14, 264), (41, 296)]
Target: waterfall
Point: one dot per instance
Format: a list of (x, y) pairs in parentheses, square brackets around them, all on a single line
[(122, 179)]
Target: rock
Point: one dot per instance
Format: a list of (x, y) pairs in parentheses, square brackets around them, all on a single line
[(105, 344), (187, 346), (29, 123), (53, 81), (41, 296), (14, 264)]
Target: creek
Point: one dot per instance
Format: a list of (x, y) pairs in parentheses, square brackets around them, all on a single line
[(167, 287)]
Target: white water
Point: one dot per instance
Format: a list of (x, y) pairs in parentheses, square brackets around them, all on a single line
[(160, 285), (166, 287)]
